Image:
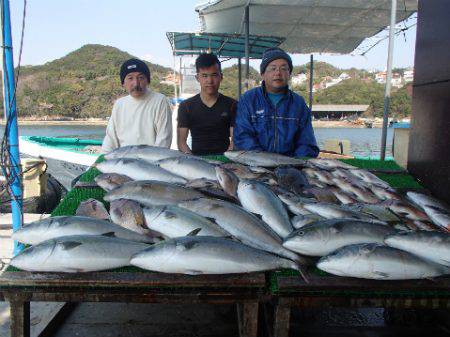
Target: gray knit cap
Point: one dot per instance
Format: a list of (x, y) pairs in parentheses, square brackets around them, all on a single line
[(274, 54)]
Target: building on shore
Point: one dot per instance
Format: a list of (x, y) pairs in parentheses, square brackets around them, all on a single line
[(338, 111)]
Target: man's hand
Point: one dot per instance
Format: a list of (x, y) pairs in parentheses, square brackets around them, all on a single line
[(182, 134)]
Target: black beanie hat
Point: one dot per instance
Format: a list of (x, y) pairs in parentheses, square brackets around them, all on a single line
[(133, 65), (274, 54)]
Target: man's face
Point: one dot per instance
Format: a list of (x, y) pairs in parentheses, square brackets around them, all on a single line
[(209, 79), (277, 75), (136, 84)]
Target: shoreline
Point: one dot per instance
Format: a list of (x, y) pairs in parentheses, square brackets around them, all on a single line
[(101, 122)]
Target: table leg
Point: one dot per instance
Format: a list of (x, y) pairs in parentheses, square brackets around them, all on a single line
[(248, 319), (20, 318), (281, 320)]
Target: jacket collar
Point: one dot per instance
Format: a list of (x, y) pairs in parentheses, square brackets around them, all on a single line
[(287, 91)]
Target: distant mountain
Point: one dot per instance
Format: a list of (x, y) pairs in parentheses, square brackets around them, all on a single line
[(84, 83)]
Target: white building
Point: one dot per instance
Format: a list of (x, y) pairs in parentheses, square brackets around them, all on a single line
[(299, 79), (344, 76), (408, 75)]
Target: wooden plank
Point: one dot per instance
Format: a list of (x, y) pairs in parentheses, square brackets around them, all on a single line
[(130, 279), (51, 317), (282, 318), (247, 313), (345, 284), (20, 317)]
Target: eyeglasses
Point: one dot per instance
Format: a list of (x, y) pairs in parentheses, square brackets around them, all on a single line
[(273, 69)]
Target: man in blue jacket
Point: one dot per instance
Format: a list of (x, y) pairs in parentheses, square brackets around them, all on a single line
[(273, 118)]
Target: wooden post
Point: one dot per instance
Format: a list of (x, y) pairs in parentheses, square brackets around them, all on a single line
[(20, 317), (247, 313), (281, 320)]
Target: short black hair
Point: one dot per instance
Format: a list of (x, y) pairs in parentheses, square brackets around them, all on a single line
[(206, 60)]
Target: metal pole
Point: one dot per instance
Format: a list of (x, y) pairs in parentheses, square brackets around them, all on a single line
[(11, 123), (239, 77), (175, 78), (247, 45), (311, 83), (387, 92)]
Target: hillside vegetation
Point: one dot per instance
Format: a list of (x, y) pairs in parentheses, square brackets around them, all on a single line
[(85, 84)]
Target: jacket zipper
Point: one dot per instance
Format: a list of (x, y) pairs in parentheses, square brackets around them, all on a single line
[(276, 130)]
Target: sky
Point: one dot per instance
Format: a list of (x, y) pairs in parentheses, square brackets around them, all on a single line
[(54, 28)]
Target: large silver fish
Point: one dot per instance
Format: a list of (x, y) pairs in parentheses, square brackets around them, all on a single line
[(241, 224), (152, 192), (295, 203), (438, 212), (261, 158), (109, 181), (323, 237), (145, 152), (196, 255), (78, 253), (138, 169), (189, 168), (56, 226), (328, 164), (259, 199), (332, 211), (379, 262), (433, 246), (370, 178), (351, 186), (299, 221), (227, 180), (173, 221)]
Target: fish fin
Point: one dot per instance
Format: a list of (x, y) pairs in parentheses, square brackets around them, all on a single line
[(68, 245), (185, 246), (194, 232), (193, 272), (381, 274), (211, 219), (109, 234), (169, 215)]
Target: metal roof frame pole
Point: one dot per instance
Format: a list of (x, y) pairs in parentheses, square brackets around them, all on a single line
[(247, 45), (387, 92), (175, 78), (239, 77), (11, 123), (311, 82)]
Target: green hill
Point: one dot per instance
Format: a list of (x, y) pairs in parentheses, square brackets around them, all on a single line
[(85, 83)]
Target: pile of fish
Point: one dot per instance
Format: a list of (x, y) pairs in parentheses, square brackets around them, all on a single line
[(176, 213)]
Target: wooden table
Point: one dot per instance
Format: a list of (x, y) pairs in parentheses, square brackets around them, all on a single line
[(333, 291), (20, 288)]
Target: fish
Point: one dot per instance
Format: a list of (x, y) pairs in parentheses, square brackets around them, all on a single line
[(78, 253), (436, 210), (369, 178), (379, 212), (138, 169), (227, 180), (56, 226), (92, 208), (379, 262), (128, 214), (145, 152), (433, 246), (295, 203), (263, 159), (242, 171), (240, 224), (321, 175), (259, 199), (362, 193), (109, 181), (323, 237), (405, 210), (173, 221), (332, 211), (202, 183), (291, 179), (199, 255), (383, 193), (152, 192), (321, 194), (343, 197), (189, 168), (328, 164), (298, 221)]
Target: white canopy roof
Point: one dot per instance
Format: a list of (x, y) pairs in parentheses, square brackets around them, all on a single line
[(309, 26)]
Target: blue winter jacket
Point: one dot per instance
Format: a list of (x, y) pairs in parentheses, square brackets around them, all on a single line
[(284, 129)]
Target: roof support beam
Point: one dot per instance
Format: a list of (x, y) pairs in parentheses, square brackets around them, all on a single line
[(247, 45)]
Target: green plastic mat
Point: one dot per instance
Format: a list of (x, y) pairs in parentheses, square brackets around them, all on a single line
[(374, 164)]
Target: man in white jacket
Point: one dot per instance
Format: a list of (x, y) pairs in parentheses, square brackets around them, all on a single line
[(142, 117)]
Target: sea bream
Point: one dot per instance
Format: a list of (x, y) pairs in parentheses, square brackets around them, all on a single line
[(259, 199), (227, 180), (379, 262), (241, 224), (138, 169), (433, 246), (197, 255), (152, 192), (92, 208), (291, 179), (128, 214), (261, 158), (323, 237), (173, 221), (56, 226), (78, 253), (145, 152), (109, 181)]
